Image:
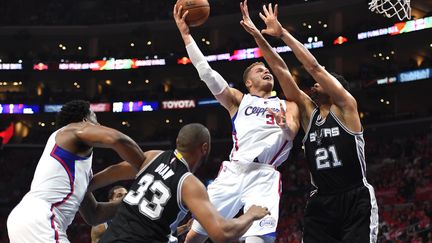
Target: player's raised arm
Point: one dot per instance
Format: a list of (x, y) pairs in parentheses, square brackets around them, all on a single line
[(219, 229), (341, 97), (100, 136), (277, 65), (228, 97)]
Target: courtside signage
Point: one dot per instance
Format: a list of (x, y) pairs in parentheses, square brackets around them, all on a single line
[(178, 104), (398, 28), (112, 64), (208, 102), (415, 75), (100, 107), (95, 107), (10, 66), (249, 53), (52, 108), (18, 109), (135, 106)]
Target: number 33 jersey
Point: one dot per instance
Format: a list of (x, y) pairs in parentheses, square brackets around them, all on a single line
[(334, 153), (153, 206), (256, 135)]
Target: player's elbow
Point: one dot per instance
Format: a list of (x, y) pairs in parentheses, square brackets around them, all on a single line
[(227, 233), (97, 217), (205, 71), (113, 138), (349, 103), (89, 217), (222, 237), (91, 221)]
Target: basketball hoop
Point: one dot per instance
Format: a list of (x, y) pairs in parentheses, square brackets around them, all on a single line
[(390, 8)]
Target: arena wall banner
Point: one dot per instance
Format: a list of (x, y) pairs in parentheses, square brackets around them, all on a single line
[(178, 104), (135, 106), (18, 109)]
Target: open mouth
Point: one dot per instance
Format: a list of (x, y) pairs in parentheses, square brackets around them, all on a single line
[(267, 77)]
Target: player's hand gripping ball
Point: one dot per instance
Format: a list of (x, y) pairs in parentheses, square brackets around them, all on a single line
[(199, 11)]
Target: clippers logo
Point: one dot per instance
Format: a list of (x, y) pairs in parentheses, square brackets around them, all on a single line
[(256, 110), (267, 222)]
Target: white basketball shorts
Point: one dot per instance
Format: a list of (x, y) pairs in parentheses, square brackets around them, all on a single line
[(242, 184), (31, 221)]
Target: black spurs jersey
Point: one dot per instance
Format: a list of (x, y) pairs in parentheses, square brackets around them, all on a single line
[(153, 207), (335, 155)]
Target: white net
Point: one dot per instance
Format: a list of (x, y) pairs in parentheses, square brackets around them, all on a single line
[(390, 8)]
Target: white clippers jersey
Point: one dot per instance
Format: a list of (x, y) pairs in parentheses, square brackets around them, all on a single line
[(256, 136), (61, 179)]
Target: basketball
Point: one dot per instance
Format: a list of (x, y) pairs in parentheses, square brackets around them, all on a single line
[(199, 11)]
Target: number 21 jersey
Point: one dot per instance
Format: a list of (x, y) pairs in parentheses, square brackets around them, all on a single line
[(335, 154), (153, 206)]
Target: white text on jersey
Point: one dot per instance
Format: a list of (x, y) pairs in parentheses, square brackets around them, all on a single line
[(164, 171), (256, 110), (324, 132)]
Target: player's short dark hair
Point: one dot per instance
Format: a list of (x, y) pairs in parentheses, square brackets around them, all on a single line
[(73, 111), (248, 69), (191, 136), (341, 80), (111, 191)]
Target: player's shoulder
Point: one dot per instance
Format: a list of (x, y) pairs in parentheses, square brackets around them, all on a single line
[(192, 183), (70, 131), (153, 154), (75, 126)]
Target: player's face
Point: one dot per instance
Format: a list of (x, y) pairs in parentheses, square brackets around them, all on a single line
[(318, 92), (204, 152), (119, 193), (261, 78), (316, 88)]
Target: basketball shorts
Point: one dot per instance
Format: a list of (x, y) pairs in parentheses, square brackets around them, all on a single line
[(243, 185), (31, 222), (348, 217)]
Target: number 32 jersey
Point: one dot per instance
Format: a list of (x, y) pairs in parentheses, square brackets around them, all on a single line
[(334, 153), (153, 206)]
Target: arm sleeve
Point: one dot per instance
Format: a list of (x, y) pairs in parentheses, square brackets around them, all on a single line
[(214, 81)]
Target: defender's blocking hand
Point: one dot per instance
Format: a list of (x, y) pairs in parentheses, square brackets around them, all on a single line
[(246, 21), (273, 27)]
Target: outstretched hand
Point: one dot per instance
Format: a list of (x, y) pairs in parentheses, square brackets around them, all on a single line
[(180, 19), (273, 27), (246, 21)]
